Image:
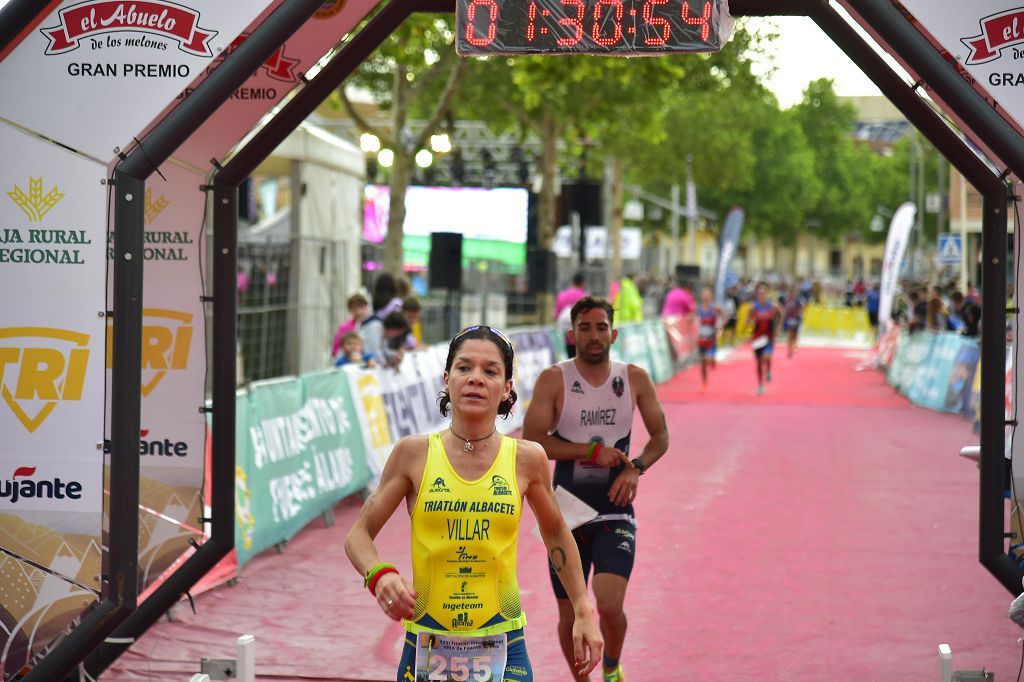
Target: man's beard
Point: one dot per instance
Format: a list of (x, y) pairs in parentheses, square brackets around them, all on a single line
[(598, 359)]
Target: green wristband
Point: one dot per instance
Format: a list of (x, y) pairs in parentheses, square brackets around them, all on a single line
[(373, 571)]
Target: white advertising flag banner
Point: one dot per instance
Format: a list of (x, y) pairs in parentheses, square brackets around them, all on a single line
[(895, 247), (115, 64)]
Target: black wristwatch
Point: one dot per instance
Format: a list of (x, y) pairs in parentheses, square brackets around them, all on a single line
[(639, 464)]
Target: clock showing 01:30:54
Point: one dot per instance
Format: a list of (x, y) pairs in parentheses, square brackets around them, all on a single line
[(604, 27)]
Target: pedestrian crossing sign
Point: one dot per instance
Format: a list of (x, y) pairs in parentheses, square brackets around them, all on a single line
[(950, 248)]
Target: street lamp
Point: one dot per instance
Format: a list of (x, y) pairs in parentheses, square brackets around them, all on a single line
[(385, 158), (424, 158), (441, 144), (369, 143)]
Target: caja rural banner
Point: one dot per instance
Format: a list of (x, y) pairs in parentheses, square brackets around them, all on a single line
[(52, 333), (173, 429), (301, 452)]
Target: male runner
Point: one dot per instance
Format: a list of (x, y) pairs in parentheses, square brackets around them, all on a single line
[(709, 321), (582, 414)]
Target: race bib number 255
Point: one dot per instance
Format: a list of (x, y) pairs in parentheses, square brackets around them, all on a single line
[(444, 658)]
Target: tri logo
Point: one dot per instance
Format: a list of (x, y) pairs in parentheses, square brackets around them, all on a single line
[(41, 367), (166, 344)]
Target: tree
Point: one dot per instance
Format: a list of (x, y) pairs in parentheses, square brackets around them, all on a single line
[(416, 71), (844, 167)]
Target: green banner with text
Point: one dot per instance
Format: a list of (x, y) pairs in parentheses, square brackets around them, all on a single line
[(301, 453)]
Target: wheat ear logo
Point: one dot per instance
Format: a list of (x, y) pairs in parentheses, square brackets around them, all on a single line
[(35, 204), (42, 368), (154, 207)]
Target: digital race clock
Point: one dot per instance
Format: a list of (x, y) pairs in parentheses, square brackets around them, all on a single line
[(609, 27)]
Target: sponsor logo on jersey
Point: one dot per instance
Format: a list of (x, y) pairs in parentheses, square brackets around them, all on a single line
[(576, 388), (618, 387), (439, 486), (499, 486)]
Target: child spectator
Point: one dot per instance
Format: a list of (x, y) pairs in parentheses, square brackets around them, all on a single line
[(359, 310), (413, 310), (352, 352)]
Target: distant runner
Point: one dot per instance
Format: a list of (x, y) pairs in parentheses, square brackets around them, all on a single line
[(794, 311), (710, 320), (764, 316)]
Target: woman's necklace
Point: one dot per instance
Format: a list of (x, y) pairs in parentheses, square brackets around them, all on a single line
[(469, 441)]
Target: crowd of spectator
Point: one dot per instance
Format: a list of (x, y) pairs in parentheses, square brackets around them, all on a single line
[(379, 331)]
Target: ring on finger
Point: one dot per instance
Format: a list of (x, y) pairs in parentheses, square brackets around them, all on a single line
[(389, 602)]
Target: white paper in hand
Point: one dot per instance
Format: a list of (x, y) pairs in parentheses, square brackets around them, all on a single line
[(575, 511)]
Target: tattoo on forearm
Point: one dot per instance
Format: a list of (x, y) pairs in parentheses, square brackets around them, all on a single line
[(558, 559)]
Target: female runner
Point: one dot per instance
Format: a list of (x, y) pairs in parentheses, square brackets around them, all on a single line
[(463, 489)]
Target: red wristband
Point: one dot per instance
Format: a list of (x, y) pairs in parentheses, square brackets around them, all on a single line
[(376, 577), (594, 452)]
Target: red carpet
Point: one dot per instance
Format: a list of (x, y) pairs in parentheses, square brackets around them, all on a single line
[(825, 531)]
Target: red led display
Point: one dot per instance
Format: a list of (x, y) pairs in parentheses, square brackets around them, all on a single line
[(591, 26)]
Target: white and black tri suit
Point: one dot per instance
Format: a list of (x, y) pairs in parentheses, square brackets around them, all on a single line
[(603, 414)]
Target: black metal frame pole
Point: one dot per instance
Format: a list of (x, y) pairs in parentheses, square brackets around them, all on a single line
[(159, 145), (991, 517), (17, 15), (895, 30), (121, 585)]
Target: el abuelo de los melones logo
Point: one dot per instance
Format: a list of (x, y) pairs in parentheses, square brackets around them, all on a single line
[(102, 20)]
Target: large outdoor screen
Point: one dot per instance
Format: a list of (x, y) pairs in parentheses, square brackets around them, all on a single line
[(491, 221)]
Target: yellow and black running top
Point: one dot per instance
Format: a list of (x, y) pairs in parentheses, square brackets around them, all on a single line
[(464, 538)]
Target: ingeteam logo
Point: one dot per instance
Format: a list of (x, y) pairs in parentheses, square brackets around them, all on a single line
[(41, 367), (26, 489), (155, 17), (34, 203), (166, 343)]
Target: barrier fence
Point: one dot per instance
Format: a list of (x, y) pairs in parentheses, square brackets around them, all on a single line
[(304, 443), (940, 371)]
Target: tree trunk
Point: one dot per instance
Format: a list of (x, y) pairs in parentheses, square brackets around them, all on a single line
[(546, 221), (618, 175), (401, 176)]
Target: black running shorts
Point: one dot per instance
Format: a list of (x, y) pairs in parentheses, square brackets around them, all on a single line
[(607, 546)]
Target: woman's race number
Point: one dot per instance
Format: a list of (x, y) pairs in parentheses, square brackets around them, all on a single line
[(444, 658)]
